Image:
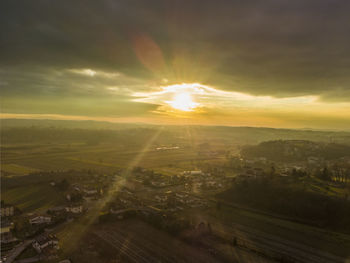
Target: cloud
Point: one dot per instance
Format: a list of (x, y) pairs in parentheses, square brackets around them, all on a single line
[(82, 106), (78, 51), (83, 92), (70, 82), (277, 48)]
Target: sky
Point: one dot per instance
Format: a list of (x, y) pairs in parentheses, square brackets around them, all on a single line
[(272, 63)]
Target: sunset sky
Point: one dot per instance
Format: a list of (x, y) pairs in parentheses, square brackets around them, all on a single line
[(274, 63)]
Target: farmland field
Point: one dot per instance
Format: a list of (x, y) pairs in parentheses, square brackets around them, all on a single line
[(33, 198), (16, 169), (104, 158), (148, 244), (334, 242)]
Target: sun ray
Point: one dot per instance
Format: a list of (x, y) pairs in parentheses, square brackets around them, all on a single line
[(76, 232)]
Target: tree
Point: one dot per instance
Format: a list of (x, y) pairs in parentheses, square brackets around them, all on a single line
[(76, 197), (273, 170), (22, 227), (147, 181), (63, 185), (218, 205), (324, 174), (347, 174)]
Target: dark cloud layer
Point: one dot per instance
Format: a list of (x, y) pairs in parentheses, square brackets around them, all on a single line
[(276, 47)]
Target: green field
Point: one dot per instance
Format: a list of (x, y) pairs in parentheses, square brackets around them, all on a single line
[(102, 157), (33, 198), (15, 169)]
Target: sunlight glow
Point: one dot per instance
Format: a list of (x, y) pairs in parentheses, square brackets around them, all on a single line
[(183, 101), (190, 96), (86, 72)]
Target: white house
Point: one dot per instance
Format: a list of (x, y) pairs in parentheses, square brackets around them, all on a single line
[(90, 191), (57, 209), (313, 160), (36, 220), (75, 209), (44, 241), (193, 173), (160, 198), (7, 210), (6, 235)]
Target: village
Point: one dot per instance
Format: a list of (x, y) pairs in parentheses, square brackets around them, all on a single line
[(139, 192), (161, 200)]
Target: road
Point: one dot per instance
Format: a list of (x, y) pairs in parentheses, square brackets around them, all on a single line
[(29, 260), (17, 250)]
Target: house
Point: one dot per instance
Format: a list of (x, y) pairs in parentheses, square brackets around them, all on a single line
[(90, 191), (244, 177), (258, 171), (313, 160), (180, 195), (283, 174), (262, 159), (160, 199), (45, 241), (90, 194), (56, 210), (36, 220), (193, 173), (6, 235), (75, 209), (7, 210)]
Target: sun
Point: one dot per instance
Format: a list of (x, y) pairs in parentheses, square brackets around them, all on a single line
[(185, 97), (183, 101)]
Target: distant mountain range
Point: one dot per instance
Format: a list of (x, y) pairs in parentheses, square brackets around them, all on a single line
[(13, 129)]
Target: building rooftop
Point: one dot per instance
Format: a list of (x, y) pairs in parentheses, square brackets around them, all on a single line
[(44, 238)]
